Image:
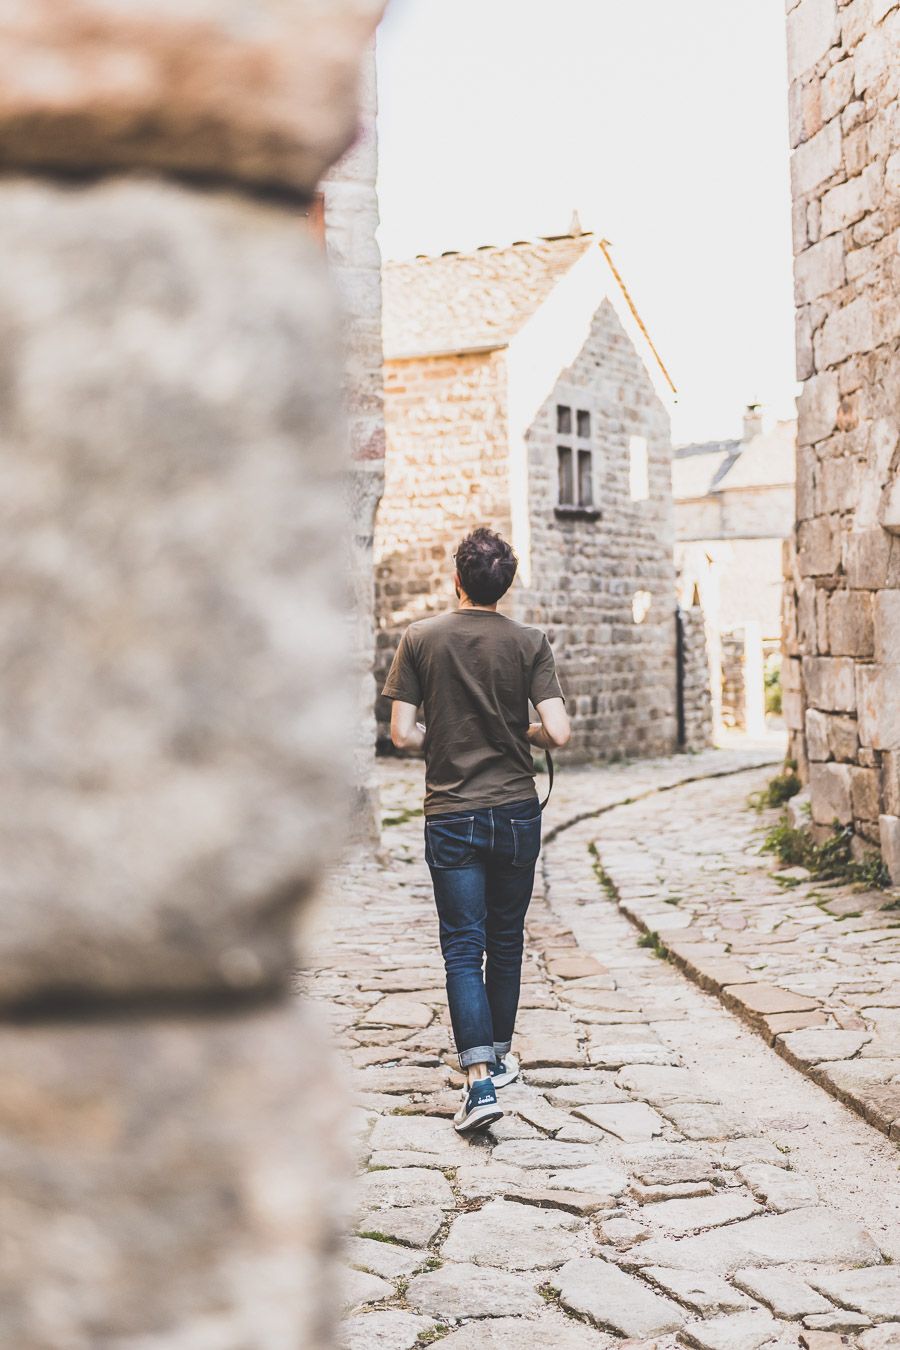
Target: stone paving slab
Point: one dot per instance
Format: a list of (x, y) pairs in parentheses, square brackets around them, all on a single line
[(691, 1214)]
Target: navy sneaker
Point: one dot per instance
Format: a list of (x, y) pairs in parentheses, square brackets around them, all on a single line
[(505, 1070), (478, 1108)]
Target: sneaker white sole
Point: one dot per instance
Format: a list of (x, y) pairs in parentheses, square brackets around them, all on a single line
[(479, 1119), (504, 1079)]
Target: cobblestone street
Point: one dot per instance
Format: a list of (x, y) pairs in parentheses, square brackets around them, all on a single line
[(661, 1176)]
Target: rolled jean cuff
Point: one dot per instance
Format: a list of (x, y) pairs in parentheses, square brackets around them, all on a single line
[(501, 1048), (479, 1054)]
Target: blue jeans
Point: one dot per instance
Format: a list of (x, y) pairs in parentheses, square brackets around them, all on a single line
[(482, 868)]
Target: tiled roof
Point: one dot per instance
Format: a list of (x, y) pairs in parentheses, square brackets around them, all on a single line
[(465, 301)]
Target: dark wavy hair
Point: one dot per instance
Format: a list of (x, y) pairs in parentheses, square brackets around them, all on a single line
[(486, 565)]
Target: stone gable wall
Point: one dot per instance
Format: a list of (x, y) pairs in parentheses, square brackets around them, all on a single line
[(618, 676), (842, 603)]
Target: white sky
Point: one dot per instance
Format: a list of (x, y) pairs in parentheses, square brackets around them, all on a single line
[(663, 121)]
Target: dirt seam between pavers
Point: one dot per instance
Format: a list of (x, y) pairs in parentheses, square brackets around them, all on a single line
[(697, 977)]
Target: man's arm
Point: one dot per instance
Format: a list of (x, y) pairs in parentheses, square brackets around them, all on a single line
[(553, 730), (406, 732)]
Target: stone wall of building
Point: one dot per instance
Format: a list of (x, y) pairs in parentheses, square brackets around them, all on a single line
[(697, 703), (842, 637), (587, 575), (758, 512), (445, 473), (734, 694), (351, 220), (174, 647)]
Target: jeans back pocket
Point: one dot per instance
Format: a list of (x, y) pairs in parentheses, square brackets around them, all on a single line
[(526, 841), (448, 843)]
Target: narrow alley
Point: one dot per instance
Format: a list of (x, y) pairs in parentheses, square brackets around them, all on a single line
[(662, 1175)]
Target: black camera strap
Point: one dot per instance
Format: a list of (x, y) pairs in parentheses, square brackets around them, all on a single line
[(550, 776)]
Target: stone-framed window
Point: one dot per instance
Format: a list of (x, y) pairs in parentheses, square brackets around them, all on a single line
[(575, 462)]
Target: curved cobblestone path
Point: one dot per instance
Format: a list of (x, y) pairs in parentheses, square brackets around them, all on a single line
[(661, 1177)]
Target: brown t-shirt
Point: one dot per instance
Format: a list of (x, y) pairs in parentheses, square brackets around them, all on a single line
[(474, 670)]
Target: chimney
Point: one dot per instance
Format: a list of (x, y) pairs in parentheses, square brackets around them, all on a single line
[(753, 421), (575, 225)]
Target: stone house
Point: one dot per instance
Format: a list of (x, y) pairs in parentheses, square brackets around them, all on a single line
[(842, 602), (734, 507), (522, 391)]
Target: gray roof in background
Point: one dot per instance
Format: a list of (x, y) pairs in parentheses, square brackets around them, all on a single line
[(717, 466)]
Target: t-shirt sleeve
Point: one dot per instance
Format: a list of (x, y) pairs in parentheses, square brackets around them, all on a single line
[(544, 679), (403, 679)]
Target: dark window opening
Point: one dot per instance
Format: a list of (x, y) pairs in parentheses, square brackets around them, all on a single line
[(563, 420), (584, 424), (585, 478), (566, 477)]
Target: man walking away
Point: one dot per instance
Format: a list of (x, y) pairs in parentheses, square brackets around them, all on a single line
[(474, 672)]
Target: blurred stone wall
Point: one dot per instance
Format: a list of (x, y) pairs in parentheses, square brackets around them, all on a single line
[(842, 603), (174, 646), (351, 220)]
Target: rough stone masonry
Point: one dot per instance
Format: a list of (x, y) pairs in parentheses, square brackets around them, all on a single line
[(173, 469), (842, 608)]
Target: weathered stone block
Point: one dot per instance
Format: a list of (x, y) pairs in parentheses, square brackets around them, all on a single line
[(812, 28), (865, 793), (889, 830), (844, 333), (878, 695), (816, 727), (870, 60), (843, 738), (866, 557), (890, 781), (803, 348), (819, 270), (792, 710), (849, 202), (889, 507), (817, 407), (838, 480), (819, 547), (829, 787), (836, 89), (886, 609), (173, 544), (166, 1175), (829, 683), (263, 93), (816, 160), (850, 624)]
